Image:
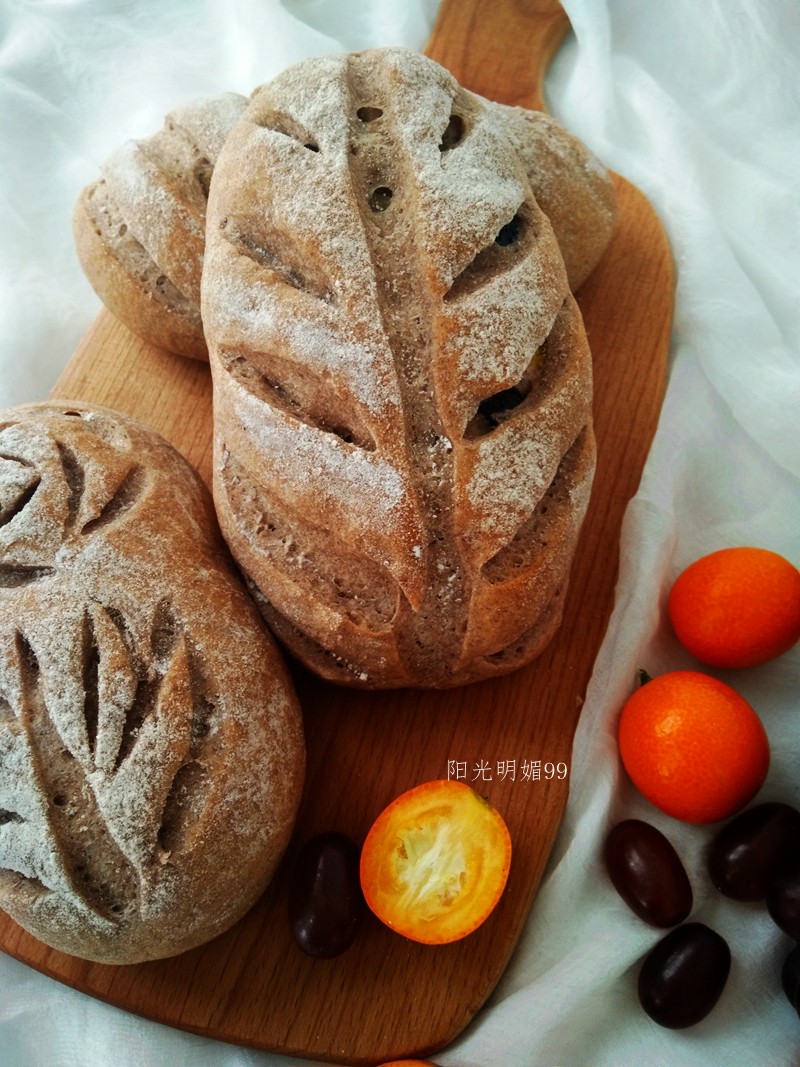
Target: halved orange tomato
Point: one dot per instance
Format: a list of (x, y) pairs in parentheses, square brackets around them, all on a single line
[(408, 1063), (435, 862)]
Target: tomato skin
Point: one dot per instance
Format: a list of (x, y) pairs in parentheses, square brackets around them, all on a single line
[(693, 746), (435, 862), (408, 1063), (737, 607)]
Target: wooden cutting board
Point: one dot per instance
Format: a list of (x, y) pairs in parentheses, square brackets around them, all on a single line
[(386, 997)]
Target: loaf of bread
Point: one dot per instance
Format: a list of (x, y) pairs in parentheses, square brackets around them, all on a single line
[(151, 751), (139, 229), (402, 383), (570, 185)]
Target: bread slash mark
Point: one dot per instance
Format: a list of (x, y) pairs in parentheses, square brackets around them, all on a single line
[(513, 241), (101, 873), (265, 253), (129, 491)]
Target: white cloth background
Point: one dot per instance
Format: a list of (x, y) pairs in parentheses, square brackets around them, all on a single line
[(699, 105)]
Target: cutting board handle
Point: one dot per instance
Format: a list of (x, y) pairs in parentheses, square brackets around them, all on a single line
[(499, 48)]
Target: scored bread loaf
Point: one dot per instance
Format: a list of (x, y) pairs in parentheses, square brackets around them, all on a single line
[(402, 383), (151, 751), (569, 183), (139, 228)]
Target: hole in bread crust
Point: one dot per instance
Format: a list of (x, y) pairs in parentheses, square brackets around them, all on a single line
[(204, 711), (143, 703), (453, 133), (380, 198), (99, 871), (496, 409), (28, 662), (164, 634), (7, 717), (510, 233), (116, 616), (369, 114), (506, 248)]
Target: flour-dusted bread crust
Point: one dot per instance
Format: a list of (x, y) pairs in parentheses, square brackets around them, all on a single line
[(402, 383), (139, 229), (151, 753), (571, 186)]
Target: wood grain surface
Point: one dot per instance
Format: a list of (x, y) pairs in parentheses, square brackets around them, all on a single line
[(387, 997)]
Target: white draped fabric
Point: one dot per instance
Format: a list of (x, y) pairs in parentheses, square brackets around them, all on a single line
[(699, 105)]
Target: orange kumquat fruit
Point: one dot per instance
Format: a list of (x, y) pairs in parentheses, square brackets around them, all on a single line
[(435, 862), (737, 607), (693, 746)]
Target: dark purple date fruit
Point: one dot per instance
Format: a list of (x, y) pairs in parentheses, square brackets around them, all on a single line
[(325, 899), (683, 975), (751, 849), (783, 899), (647, 873), (790, 977)]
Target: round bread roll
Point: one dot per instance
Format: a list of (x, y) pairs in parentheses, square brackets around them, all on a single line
[(402, 384), (139, 229), (151, 751)]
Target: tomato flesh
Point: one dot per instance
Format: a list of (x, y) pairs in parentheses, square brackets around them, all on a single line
[(408, 1063), (435, 863)]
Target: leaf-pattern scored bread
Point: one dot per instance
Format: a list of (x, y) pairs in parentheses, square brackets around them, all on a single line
[(151, 753), (139, 227), (402, 384)]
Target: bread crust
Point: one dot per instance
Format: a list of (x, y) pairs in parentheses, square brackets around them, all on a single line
[(570, 184), (151, 748), (402, 382), (139, 228)]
